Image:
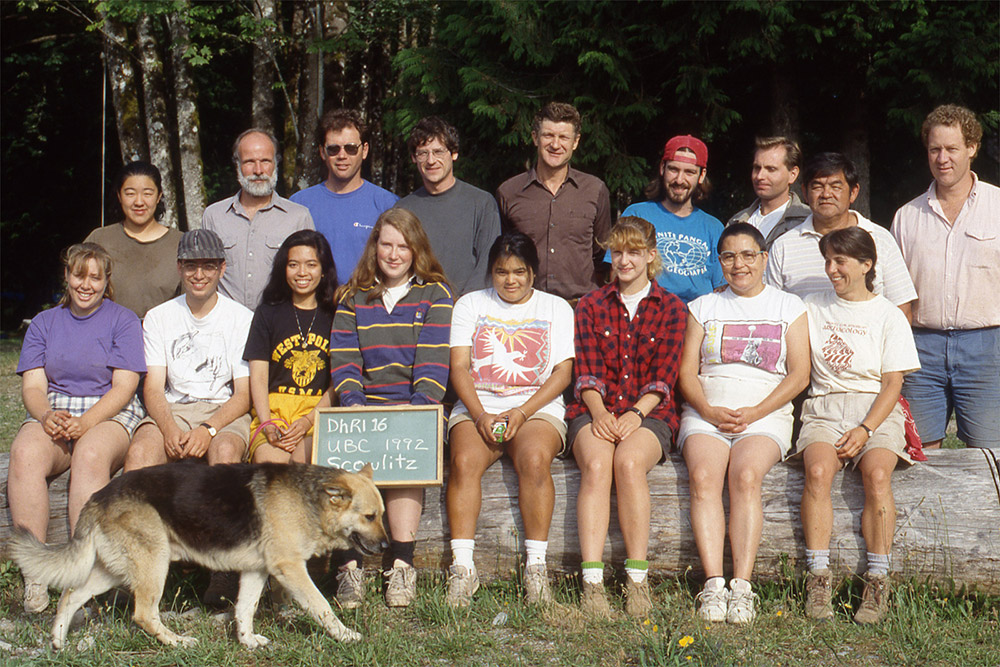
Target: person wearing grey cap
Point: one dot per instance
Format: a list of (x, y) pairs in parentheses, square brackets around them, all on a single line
[(197, 387)]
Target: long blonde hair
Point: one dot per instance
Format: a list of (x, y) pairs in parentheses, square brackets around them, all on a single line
[(635, 233), (75, 259), (366, 274)]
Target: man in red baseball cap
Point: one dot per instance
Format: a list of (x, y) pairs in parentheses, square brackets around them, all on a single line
[(686, 236)]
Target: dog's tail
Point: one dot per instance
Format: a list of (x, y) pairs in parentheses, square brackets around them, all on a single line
[(63, 565)]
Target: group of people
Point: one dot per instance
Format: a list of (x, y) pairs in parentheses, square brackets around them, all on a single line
[(548, 330)]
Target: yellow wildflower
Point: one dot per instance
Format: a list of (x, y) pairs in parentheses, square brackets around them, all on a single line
[(646, 622), (656, 628), (685, 641)]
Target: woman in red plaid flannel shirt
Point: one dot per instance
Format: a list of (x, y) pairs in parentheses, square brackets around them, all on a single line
[(629, 336)]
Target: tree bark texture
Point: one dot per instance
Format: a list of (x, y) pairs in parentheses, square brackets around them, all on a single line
[(154, 96), (188, 123), (307, 84), (784, 103), (947, 521), (855, 144), (264, 73), (127, 107)]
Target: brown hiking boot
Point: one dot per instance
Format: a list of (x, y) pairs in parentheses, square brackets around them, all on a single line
[(594, 601), (638, 602), (874, 600), (819, 595)]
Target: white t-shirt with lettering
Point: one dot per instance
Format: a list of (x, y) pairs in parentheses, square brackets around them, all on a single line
[(854, 342), (514, 347)]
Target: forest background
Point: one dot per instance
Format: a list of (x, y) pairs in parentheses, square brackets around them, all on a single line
[(87, 85)]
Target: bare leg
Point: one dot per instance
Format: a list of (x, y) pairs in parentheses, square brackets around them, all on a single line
[(707, 459), (96, 455), (749, 462), (821, 465), (403, 508), (878, 519), (34, 456), (146, 448), (470, 458), (595, 457), (532, 450), (226, 448), (635, 456)]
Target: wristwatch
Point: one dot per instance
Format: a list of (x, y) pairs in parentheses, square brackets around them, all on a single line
[(867, 430), (211, 429), (636, 411)]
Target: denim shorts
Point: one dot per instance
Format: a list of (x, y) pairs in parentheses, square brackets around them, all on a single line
[(960, 372)]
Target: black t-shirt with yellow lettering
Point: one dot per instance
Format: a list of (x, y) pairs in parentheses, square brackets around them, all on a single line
[(298, 352)]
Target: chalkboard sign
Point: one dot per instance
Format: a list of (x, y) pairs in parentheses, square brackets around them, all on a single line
[(404, 443)]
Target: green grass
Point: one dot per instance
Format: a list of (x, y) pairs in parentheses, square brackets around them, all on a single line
[(11, 408), (926, 626)]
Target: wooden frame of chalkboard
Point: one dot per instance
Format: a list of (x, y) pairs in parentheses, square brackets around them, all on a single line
[(404, 443)]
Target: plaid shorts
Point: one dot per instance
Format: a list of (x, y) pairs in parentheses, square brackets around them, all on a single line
[(129, 417)]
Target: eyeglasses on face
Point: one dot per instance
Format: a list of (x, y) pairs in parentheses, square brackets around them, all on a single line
[(423, 155), (206, 267), (748, 256), (334, 149)]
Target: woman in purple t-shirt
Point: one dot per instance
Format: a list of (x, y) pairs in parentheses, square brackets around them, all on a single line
[(79, 366)]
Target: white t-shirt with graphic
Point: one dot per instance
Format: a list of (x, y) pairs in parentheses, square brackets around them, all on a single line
[(855, 342), (202, 356), (745, 336), (514, 347)]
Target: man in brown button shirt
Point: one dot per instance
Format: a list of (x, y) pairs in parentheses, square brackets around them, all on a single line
[(566, 212)]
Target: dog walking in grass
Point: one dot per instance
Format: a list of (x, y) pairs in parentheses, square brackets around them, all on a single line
[(256, 519)]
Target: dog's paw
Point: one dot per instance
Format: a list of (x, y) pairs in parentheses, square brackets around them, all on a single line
[(252, 641), (349, 636), (186, 642), (57, 643)]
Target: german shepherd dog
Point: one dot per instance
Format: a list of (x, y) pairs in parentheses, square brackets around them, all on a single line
[(257, 519)]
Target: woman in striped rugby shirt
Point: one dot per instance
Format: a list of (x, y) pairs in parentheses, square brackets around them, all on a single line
[(375, 361)]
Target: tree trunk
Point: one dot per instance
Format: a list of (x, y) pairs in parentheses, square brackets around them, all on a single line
[(264, 72), (188, 123), (124, 92), (154, 97), (947, 521), (784, 103), (855, 142), (308, 82)]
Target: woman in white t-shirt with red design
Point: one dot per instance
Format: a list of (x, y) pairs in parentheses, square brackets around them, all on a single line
[(746, 355), (511, 358), (862, 346)]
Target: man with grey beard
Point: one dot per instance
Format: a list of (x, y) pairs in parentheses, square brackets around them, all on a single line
[(255, 221)]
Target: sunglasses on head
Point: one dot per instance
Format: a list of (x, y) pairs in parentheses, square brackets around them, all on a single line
[(350, 149)]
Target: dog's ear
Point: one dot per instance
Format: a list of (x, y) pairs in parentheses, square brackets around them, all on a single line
[(339, 493), (367, 471)]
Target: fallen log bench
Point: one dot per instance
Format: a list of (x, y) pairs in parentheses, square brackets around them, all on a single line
[(947, 523)]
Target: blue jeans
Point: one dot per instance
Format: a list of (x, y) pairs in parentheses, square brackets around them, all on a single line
[(960, 371)]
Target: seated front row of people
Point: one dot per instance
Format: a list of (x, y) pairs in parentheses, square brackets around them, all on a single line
[(512, 352)]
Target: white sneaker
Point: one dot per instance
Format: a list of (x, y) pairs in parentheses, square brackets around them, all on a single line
[(36, 597), (742, 605), (713, 601)]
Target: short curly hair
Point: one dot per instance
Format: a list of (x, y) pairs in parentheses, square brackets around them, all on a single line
[(952, 114)]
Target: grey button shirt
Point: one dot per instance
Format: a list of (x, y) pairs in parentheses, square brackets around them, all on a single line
[(252, 244)]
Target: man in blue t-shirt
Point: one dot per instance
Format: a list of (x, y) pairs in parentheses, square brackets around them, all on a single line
[(686, 236), (345, 206)]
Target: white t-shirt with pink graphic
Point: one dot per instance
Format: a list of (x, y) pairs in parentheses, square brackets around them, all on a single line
[(854, 342), (745, 336), (514, 347)]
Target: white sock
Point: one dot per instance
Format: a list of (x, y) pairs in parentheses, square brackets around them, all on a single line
[(638, 575), (878, 564), (593, 575), (536, 551), (739, 585), (715, 584), (461, 553), (817, 559)]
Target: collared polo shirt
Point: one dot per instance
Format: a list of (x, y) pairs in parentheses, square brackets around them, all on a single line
[(796, 265), (955, 267), (567, 227), (252, 244)]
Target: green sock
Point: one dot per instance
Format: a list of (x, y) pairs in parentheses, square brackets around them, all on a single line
[(636, 569)]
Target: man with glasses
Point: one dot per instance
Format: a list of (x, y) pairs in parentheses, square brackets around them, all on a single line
[(795, 264), (197, 388), (345, 206), (461, 220), (255, 221)]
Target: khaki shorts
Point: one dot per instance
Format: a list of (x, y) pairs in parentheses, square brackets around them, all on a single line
[(826, 418), (190, 415), (558, 424)]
